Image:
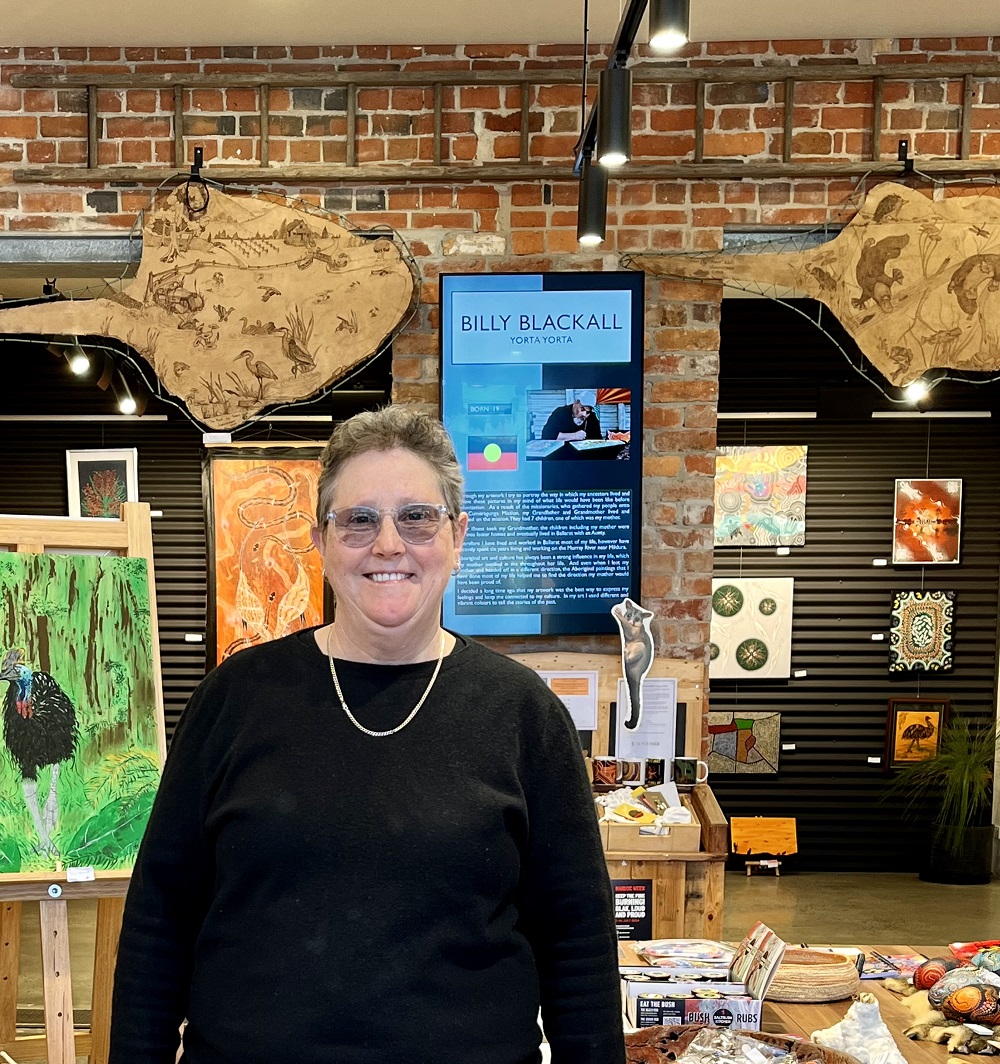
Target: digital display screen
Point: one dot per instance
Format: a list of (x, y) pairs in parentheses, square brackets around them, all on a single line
[(541, 391)]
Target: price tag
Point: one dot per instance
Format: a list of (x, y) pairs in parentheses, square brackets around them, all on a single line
[(80, 874)]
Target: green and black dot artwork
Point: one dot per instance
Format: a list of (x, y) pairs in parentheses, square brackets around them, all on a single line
[(751, 634)]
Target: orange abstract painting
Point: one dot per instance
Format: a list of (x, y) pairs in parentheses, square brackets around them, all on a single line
[(268, 576)]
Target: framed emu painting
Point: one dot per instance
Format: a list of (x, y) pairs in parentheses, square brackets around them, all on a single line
[(913, 730)]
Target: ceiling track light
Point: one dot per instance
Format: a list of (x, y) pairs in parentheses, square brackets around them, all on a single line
[(669, 24), (614, 117), (79, 363), (592, 213), (917, 390)]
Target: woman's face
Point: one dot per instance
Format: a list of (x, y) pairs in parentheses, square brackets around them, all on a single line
[(389, 584)]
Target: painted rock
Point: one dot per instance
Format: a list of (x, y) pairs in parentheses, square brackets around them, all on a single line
[(931, 971), (988, 959), (978, 1003), (959, 977)]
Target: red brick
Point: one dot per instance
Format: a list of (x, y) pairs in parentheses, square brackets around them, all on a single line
[(478, 197), (650, 218), (406, 99), (35, 100), (906, 119), (449, 219), (662, 146), (549, 147), (52, 202), (676, 118), (733, 118), (122, 128), (812, 142), (110, 101), (845, 118), (479, 97), (68, 151), (373, 99), (816, 92), (137, 151), (242, 100), (797, 47), (525, 195), (38, 53), (931, 143), (21, 127), (733, 144), (737, 47), (42, 151), (141, 100), (935, 44), (527, 243)]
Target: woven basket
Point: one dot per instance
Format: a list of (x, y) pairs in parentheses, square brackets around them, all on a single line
[(660, 1045), (808, 976)]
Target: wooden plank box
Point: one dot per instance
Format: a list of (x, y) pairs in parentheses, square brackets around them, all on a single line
[(629, 838)]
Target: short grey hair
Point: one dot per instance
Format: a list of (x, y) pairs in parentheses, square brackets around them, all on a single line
[(398, 426)]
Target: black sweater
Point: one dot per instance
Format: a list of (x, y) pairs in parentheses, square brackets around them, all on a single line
[(308, 893)]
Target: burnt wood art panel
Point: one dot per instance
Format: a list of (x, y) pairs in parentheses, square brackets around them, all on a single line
[(247, 302), (915, 282)]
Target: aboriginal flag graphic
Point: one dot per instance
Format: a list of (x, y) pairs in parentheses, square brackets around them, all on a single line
[(488, 454)]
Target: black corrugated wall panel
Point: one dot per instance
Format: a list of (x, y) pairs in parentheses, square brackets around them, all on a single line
[(836, 714)]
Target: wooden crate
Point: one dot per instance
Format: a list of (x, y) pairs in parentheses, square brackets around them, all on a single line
[(680, 838), (687, 887)]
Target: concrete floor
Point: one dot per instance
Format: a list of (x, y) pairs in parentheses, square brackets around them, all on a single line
[(809, 907)]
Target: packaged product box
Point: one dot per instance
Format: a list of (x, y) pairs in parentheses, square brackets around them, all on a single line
[(686, 983), (732, 1010)]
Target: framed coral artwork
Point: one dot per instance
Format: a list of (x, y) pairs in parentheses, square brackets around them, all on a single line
[(913, 730), (99, 481), (928, 522), (265, 578)]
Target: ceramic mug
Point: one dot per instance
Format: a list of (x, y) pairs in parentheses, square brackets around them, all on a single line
[(605, 772), (689, 770)]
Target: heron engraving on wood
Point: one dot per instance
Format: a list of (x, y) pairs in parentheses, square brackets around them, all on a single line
[(916, 282), (241, 305)]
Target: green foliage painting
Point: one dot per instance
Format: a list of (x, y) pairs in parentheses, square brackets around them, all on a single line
[(79, 761)]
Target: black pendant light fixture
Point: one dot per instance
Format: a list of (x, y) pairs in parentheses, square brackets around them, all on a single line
[(669, 24), (592, 213), (614, 117)]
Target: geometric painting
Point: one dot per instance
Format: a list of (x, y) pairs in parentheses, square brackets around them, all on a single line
[(79, 726), (268, 578), (928, 522), (760, 497), (751, 628), (743, 743), (920, 633)]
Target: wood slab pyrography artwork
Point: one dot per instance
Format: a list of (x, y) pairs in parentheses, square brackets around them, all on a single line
[(267, 579), (916, 282), (248, 302)]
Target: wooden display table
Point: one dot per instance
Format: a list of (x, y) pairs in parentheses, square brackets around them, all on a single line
[(779, 1018)]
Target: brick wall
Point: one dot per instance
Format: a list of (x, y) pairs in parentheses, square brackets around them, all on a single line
[(521, 225)]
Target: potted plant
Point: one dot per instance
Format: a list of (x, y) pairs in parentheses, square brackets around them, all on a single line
[(957, 784)]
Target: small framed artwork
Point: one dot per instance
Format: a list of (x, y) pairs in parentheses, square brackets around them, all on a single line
[(928, 522), (100, 481), (913, 730)]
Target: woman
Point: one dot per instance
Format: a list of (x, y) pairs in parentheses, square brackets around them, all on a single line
[(373, 840)]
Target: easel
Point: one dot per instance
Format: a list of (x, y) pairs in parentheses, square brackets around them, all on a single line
[(131, 536)]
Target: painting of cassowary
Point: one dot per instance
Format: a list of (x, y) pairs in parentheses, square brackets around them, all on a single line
[(80, 731), (39, 730)]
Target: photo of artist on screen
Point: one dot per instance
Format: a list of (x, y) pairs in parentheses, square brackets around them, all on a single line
[(570, 423), (574, 421)]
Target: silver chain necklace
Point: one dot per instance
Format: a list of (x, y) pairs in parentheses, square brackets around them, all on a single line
[(350, 715)]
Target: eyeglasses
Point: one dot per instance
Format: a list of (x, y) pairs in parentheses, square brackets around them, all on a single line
[(417, 522)]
